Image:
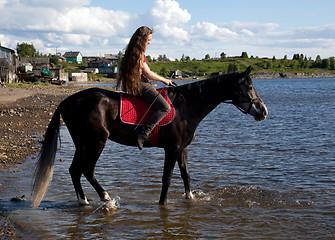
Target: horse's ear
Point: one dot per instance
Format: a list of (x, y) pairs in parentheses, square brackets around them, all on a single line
[(248, 71)]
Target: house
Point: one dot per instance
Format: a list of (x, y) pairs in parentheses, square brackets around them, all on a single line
[(8, 65), (91, 70), (175, 74), (38, 64), (105, 66), (78, 77), (60, 75), (73, 57), (113, 58)]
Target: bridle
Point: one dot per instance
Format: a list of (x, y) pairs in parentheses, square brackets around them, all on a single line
[(251, 102)]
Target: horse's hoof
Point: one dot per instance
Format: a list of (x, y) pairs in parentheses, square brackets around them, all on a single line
[(189, 195), (18, 199), (83, 202), (106, 197)]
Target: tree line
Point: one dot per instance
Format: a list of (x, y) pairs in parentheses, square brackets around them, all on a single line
[(299, 62)]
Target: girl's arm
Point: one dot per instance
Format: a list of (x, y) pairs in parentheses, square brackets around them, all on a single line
[(154, 76)]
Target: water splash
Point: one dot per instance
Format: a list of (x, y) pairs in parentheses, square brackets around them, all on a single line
[(110, 205)]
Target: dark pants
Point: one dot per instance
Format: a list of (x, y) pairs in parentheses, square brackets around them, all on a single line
[(156, 101)]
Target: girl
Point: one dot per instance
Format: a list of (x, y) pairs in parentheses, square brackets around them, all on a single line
[(134, 73)]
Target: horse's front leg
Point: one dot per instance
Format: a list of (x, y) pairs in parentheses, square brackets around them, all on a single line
[(185, 174), (171, 156)]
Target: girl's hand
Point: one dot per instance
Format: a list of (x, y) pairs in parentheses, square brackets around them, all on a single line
[(168, 82)]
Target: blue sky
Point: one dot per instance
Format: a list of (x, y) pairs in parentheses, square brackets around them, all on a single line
[(190, 27)]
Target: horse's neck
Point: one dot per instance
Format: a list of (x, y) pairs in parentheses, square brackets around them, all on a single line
[(203, 96)]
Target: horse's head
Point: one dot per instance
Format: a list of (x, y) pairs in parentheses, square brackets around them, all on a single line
[(246, 98)]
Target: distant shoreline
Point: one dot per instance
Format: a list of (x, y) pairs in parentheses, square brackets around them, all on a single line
[(268, 75)]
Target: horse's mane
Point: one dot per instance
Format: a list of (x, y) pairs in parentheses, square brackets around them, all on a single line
[(208, 87)]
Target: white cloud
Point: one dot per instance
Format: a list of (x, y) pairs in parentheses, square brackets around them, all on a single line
[(59, 4), (169, 21), (92, 20), (172, 32), (3, 2), (254, 27), (5, 41), (75, 25), (169, 11), (212, 32), (247, 32), (76, 39)]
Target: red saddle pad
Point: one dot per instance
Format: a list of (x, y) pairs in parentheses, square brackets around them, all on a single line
[(134, 110)]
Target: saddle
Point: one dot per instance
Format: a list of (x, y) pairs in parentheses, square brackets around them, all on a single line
[(134, 110)]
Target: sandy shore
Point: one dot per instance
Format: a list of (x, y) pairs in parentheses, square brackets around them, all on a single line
[(25, 113)]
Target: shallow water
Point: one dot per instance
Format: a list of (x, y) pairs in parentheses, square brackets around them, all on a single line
[(251, 180)]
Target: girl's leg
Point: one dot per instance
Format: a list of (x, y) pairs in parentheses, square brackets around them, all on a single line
[(162, 107)]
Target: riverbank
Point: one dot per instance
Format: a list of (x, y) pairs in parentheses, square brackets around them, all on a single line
[(272, 75)]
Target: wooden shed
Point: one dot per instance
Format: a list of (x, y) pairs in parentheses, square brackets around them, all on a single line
[(8, 65)]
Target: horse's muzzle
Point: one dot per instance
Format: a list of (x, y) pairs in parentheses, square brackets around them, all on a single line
[(260, 112)]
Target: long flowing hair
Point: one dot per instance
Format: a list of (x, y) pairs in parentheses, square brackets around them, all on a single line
[(130, 69)]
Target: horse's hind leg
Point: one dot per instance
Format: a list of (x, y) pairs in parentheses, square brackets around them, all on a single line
[(76, 172), (183, 166), (88, 170), (84, 162)]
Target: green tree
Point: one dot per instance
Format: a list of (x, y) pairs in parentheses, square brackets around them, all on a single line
[(232, 67), (301, 57), (318, 62), (120, 56), (332, 63), (26, 50), (162, 58), (207, 57), (325, 63), (149, 59), (223, 56), (244, 55), (54, 60), (294, 65), (164, 72)]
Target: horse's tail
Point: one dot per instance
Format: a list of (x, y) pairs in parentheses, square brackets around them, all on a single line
[(45, 164)]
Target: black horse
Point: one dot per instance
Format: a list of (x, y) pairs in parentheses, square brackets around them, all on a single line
[(92, 116)]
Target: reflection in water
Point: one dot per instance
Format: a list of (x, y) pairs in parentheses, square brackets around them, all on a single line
[(270, 180)]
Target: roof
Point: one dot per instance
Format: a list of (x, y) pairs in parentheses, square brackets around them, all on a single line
[(111, 56), (8, 49), (71, 54)]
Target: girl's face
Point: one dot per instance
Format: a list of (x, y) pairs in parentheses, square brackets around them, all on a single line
[(149, 39)]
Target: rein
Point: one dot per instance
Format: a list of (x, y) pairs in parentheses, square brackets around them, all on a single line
[(159, 92)]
